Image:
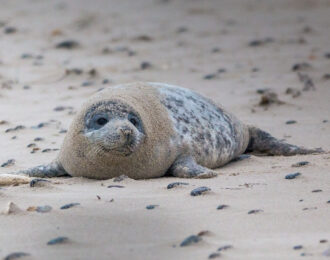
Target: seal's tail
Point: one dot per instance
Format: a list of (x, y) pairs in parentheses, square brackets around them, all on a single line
[(262, 142)]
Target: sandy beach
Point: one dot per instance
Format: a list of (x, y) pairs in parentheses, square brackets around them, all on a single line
[(268, 62)]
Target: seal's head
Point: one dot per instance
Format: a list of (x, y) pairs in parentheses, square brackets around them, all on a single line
[(120, 130), (114, 127)]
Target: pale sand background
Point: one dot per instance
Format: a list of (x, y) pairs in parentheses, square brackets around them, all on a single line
[(124, 229)]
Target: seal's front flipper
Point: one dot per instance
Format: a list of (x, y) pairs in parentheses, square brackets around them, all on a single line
[(54, 169), (186, 167), (263, 142)]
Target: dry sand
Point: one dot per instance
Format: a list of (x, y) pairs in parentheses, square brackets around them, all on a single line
[(184, 41)]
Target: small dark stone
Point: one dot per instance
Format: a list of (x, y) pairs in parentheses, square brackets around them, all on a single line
[(326, 76), (145, 65), (298, 247), (43, 209), (290, 122), (255, 70), (68, 44), (10, 162), (105, 81), (300, 164), (210, 76), (327, 55), (317, 190), (70, 205), (38, 139), (214, 255), (26, 56), (226, 247), (221, 70), (19, 127), (151, 206), (254, 211), (301, 66), (292, 175), (15, 255), (26, 87), (115, 186), (182, 29), (37, 182), (190, 240), (260, 42), (59, 108), (199, 191), (87, 83), (63, 131), (144, 38), (58, 240), (47, 150), (175, 184), (215, 50), (222, 206), (323, 241), (31, 145), (328, 201), (9, 30)]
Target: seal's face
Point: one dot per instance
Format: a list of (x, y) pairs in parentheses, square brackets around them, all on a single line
[(114, 127)]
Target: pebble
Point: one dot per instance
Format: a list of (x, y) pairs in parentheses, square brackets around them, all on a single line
[(327, 55), (143, 38), (116, 186), (301, 66), (70, 205), (214, 255), (326, 76), (38, 182), (151, 206), (10, 162), (87, 83), (318, 190), (226, 247), (19, 127), (68, 44), (199, 191), (300, 164), (43, 209), (292, 175), (193, 239), (323, 241), (298, 247), (210, 76), (307, 81), (175, 184), (9, 30), (145, 65), (58, 240), (222, 206), (38, 139), (260, 42), (255, 211), (291, 122), (15, 255)]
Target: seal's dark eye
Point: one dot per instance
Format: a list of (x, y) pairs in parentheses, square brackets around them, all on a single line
[(133, 121), (101, 121)]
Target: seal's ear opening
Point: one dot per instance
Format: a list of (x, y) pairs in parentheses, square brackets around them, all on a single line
[(54, 169)]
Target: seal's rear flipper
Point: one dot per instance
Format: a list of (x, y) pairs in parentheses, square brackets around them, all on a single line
[(54, 169), (186, 167), (263, 142)]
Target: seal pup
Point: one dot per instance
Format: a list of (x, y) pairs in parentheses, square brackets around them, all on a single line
[(147, 130)]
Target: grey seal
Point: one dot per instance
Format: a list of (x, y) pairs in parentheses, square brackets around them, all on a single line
[(148, 130)]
